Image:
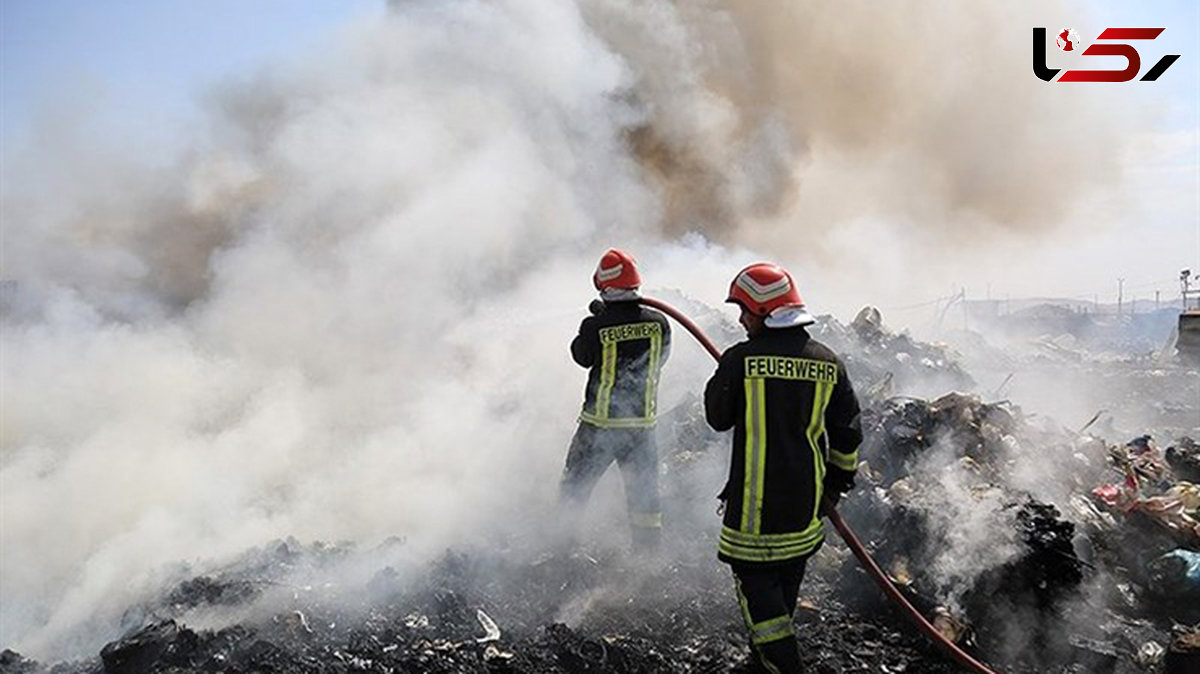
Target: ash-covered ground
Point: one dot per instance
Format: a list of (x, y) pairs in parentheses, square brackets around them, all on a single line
[(1036, 544)]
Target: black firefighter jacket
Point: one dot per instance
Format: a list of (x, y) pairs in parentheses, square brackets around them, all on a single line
[(794, 417), (625, 345)]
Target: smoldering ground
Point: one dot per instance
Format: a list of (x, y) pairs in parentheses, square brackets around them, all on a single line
[(335, 315)]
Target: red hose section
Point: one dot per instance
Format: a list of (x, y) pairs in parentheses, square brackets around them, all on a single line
[(847, 534), (685, 322)]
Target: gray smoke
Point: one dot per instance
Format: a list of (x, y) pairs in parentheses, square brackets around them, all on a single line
[(769, 118)]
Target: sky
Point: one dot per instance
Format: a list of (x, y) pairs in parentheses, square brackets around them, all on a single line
[(1167, 170), (136, 71), (143, 64)]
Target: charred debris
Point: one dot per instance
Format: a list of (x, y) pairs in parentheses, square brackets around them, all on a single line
[(1035, 547)]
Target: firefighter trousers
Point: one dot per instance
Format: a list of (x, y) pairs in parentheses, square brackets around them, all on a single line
[(767, 595), (593, 450)]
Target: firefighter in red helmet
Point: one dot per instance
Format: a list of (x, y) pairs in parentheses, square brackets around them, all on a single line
[(624, 345), (796, 432)]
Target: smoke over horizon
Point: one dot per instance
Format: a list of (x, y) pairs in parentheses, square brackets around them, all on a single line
[(336, 315)]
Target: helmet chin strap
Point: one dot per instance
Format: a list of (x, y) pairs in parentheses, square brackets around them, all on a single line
[(789, 317), (619, 294)]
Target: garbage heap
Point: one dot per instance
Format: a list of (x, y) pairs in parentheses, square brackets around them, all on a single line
[(1035, 548), (883, 363), (1014, 536)]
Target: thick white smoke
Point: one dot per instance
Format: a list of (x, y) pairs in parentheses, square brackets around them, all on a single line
[(334, 321), (344, 313)]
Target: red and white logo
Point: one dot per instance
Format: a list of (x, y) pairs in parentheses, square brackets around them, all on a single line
[(1110, 42), (1068, 40)]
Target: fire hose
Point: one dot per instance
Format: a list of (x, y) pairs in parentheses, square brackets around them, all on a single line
[(843, 529)]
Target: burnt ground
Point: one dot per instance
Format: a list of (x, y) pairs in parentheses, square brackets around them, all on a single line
[(640, 616), (483, 612)]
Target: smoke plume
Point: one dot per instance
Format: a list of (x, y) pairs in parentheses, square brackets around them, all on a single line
[(343, 313)]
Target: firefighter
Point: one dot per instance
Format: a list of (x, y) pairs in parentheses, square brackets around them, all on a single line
[(624, 345), (796, 432)]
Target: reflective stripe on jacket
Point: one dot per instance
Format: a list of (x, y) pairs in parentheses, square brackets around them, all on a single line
[(624, 346), (795, 417)]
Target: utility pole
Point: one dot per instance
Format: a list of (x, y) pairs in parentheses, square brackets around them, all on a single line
[(964, 303), (1120, 294)]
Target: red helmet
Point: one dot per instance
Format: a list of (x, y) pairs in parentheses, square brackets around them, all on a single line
[(617, 270), (762, 288)]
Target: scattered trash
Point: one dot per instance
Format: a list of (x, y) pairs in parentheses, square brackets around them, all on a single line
[(1183, 656), (493, 655), (158, 644), (1151, 653), (1184, 459), (415, 621), (490, 631), (1151, 490), (296, 621), (1176, 573), (882, 362), (948, 625), (12, 662)]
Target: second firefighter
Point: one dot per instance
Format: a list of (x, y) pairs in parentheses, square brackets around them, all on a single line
[(624, 345), (796, 432)]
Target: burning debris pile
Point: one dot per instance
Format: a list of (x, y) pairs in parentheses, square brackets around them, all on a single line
[(883, 363), (1026, 583), (1095, 568)]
